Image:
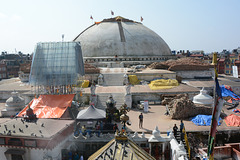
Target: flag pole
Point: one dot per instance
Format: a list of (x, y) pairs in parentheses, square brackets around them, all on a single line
[(217, 107), (210, 138)]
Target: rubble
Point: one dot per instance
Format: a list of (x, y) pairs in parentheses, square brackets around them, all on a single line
[(90, 69), (181, 107), (182, 64)]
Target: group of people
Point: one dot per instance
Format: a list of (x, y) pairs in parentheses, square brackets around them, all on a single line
[(175, 129)]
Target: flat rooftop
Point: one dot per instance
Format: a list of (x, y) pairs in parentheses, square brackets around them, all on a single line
[(155, 117), (14, 84), (43, 128)]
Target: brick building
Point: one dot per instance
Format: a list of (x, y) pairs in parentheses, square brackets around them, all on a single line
[(3, 71), (12, 67)]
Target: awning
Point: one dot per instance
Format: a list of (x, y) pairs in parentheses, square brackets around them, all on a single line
[(91, 113), (15, 151)]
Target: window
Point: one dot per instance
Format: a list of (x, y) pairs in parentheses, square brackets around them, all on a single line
[(227, 66), (2, 140), (227, 72), (15, 142)]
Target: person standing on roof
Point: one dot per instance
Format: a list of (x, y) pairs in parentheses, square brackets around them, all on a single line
[(175, 128), (181, 126), (140, 120)]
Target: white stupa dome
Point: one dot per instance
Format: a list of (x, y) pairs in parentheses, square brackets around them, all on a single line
[(15, 102), (121, 37), (203, 98)]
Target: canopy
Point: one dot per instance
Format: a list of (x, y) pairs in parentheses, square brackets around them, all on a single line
[(232, 120), (204, 120), (91, 113), (49, 106)]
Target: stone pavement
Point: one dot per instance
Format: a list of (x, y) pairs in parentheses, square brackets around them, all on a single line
[(155, 117)]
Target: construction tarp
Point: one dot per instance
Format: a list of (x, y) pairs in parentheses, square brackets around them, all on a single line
[(227, 92), (204, 120), (232, 120), (49, 106), (82, 84), (163, 84), (133, 79), (91, 113), (85, 84)]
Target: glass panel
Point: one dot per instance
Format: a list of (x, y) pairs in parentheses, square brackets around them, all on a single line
[(56, 63)]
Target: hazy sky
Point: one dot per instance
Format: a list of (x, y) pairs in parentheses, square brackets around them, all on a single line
[(209, 25)]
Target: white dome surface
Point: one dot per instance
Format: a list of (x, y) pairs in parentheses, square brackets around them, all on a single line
[(124, 38), (203, 98)]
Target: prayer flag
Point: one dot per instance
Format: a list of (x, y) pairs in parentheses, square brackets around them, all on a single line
[(218, 104), (141, 18), (112, 12), (91, 17)]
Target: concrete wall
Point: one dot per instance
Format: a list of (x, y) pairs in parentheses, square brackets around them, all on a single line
[(145, 96), (192, 74), (154, 96), (150, 77), (136, 98)]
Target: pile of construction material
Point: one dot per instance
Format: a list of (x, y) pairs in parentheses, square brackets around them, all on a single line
[(181, 107), (182, 64), (90, 69)]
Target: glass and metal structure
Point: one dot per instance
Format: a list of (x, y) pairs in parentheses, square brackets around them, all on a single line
[(56, 66)]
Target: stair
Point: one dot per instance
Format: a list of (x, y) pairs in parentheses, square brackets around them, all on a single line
[(103, 97), (113, 79), (178, 138)]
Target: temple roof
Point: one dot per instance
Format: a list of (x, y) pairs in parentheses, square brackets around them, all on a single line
[(121, 148)]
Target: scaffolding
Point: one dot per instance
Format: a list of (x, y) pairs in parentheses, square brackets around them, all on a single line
[(56, 67)]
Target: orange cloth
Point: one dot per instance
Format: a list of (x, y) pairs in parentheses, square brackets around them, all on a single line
[(97, 22), (49, 106), (232, 120)]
